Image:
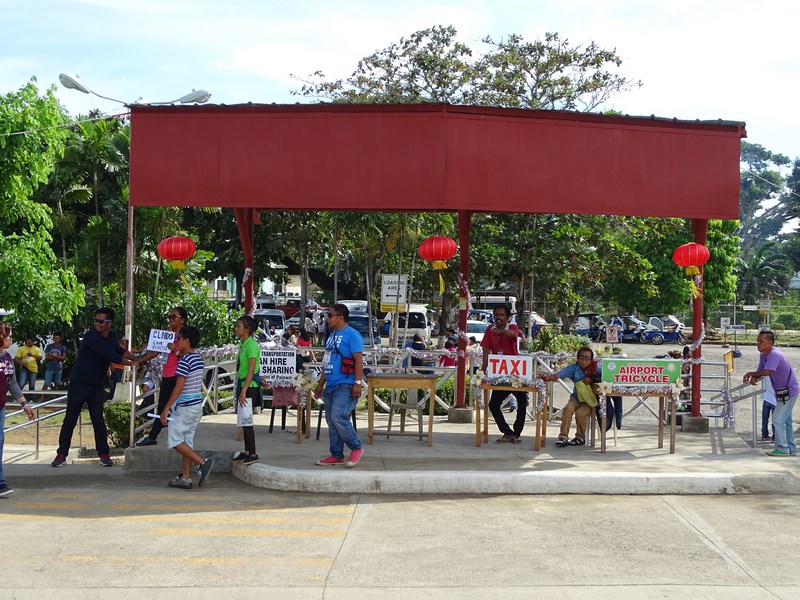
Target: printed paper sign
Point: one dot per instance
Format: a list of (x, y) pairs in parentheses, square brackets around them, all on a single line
[(612, 334), (160, 339), (277, 364), (500, 365), (626, 371)]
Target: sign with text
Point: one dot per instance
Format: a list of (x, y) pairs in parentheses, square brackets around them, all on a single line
[(394, 293), (277, 364), (159, 340), (750, 307), (628, 371), (735, 327), (724, 322), (501, 365), (612, 334)]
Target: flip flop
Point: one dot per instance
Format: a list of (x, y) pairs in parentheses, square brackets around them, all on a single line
[(503, 440), (576, 442)]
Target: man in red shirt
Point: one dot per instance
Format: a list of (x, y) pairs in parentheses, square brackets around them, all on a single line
[(503, 338)]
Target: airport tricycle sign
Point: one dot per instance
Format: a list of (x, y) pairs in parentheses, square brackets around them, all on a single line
[(627, 371)]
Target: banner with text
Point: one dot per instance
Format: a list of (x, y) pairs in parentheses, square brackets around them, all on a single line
[(277, 364), (500, 365), (629, 371)]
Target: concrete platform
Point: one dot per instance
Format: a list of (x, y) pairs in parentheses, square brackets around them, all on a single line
[(717, 462)]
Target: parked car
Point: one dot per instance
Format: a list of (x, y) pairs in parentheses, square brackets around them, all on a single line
[(590, 325), (633, 329), (359, 322), (271, 322), (668, 329), (476, 329)]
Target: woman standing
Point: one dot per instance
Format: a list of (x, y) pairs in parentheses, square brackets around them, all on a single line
[(177, 317), (8, 384), (248, 387)]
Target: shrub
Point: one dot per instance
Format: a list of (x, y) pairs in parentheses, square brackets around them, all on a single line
[(118, 423), (777, 326), (749, 324)]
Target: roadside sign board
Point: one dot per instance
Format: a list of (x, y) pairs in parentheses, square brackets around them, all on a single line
[(612, 334), (735, 328), (765, 305), (277, 364), (626, 371), (724, 322), (394, 293), (750, 307)]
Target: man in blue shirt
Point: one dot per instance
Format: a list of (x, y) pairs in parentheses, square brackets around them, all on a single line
[(775, 365), (340, 386)]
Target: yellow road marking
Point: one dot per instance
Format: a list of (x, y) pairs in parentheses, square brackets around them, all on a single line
[(298, 561), (217, 532)]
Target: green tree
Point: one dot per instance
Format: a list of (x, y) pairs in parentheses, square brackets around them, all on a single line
[(32, 136)]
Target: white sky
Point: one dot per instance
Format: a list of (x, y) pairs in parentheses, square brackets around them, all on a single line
[(704, 59)]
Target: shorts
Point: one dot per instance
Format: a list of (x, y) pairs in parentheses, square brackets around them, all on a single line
[(183, 423)]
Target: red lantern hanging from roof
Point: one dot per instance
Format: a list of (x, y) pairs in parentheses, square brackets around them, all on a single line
[(438, 249), (177, 249), (691, 257)]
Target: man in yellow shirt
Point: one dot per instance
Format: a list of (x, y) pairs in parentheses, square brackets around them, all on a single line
[(28, 359)]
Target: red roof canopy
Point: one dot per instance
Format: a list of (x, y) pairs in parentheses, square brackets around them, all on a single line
[(432, 157)]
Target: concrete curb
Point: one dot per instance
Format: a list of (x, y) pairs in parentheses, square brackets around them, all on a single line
[(345, 481)]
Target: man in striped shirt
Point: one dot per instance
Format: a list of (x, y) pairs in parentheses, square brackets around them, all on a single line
[(186, 405)]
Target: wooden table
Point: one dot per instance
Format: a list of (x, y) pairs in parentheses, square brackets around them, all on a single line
[(540, 415), (662, 408), (399, 381)]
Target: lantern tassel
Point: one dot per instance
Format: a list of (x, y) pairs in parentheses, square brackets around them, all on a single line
[(178, 264), (441, 285), (692, 271), (185, 282)]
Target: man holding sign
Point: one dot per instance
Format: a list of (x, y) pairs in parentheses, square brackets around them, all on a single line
[(502, 338)]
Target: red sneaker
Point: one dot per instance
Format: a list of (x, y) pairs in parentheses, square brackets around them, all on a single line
[(355, 456), (331, 460)]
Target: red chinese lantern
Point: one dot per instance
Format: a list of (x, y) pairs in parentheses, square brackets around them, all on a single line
[(177, 249), (438, 249), (691, 256)]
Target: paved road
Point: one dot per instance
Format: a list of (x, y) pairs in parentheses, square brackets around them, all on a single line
[(102, 533)]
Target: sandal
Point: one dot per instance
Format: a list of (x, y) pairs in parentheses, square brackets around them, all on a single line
[(515, 440), (503, 440), (576, 442), (561, 442)]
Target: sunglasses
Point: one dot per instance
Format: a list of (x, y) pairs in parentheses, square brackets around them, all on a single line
[(102, 321)]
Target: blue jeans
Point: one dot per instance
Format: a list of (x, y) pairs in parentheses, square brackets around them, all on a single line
[(2, 440), (782, 421), (27, 376), (339, 404), (52, 377), (766, 411)]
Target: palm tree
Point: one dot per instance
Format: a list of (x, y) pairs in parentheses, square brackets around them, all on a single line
[(764, 274)]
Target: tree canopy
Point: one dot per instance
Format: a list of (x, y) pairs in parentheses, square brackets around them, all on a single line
[(32, 137)]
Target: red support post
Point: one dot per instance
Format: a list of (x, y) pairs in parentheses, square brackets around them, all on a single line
[(700, 227), (464, 225), (244, 223)]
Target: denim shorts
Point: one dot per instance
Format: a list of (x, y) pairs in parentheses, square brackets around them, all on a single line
[(183, 423)]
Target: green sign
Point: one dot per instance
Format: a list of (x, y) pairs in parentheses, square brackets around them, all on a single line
[(628, 371)]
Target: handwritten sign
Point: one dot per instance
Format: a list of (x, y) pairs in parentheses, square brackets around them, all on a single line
[(160, 339), (277, 364), (626, 371), (500, 365)]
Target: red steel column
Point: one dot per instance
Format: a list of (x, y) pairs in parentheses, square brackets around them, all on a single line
[(464, 223), (700, 227)]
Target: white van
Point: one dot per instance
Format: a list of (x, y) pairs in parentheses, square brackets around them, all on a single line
[(418, 322)]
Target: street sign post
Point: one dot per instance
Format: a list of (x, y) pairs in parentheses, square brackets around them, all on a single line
[(394, 293)]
